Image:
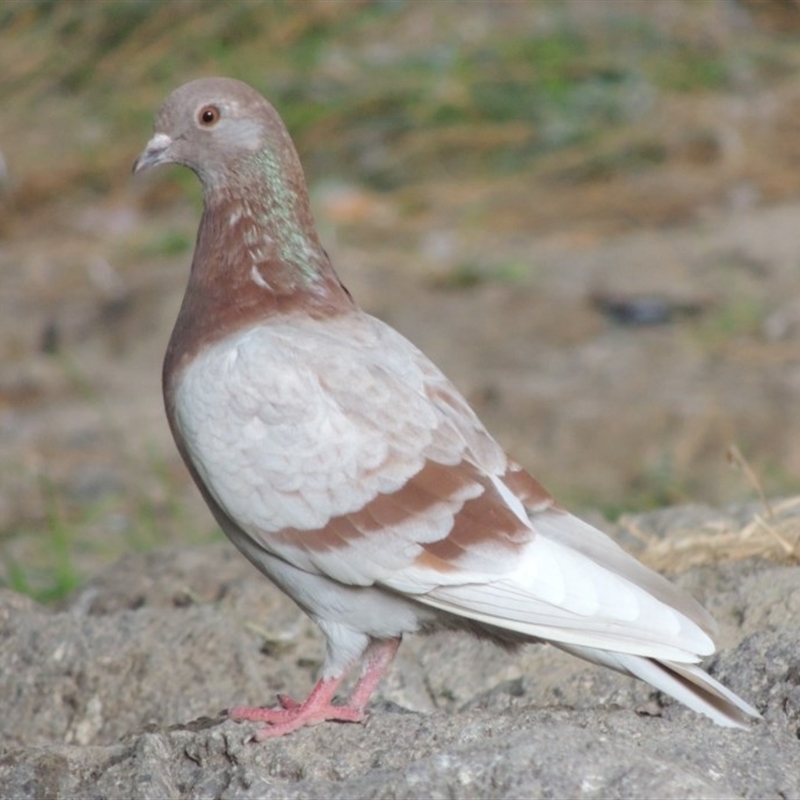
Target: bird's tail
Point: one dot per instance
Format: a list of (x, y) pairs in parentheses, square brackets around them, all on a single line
[(687, 683)]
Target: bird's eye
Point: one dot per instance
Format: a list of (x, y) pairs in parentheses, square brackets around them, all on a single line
[(208, 116)]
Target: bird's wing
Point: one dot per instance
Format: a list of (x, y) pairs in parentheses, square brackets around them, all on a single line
[(340, 448)]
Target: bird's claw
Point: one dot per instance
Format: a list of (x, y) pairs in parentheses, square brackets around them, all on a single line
[(293, 715)]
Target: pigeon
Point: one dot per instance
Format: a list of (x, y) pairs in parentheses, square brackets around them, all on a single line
[(352, 473)]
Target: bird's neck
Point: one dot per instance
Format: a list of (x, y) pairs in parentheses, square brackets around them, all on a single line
[(266, 205), (261, 242), (257, 255)]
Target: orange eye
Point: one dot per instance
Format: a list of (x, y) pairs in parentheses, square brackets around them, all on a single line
[(208, 116)]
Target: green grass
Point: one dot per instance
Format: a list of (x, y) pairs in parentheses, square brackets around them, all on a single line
[(55, 575), (166, 244), (741, 316), (571, 83), (683, 70), (657, 486), (75, 533), (470, 274)]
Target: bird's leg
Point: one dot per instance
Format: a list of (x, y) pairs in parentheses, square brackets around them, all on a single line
[(379, 656), (318, 706)]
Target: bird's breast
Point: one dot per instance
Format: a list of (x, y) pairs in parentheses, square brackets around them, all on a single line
[(289, 428)]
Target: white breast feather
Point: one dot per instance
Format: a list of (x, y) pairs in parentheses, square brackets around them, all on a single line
[(299, 428)]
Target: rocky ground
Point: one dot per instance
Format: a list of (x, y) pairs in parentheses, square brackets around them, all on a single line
[(119, 692)]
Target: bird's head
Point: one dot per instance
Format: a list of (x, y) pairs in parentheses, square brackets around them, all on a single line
[(218, 127)]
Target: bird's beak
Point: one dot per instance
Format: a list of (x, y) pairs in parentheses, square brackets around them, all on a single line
[(156, 152)]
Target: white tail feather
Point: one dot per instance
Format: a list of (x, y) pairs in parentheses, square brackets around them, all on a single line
[(687, 683)]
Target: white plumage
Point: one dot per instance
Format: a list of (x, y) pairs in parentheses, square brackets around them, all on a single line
[(350, 471)]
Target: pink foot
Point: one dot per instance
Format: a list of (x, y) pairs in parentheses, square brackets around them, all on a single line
[(293, 715), (319, 707)]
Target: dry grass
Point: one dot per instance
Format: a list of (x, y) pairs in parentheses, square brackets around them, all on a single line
[(771, 531), (775, 538)]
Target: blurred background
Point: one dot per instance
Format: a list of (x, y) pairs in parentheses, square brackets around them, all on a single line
[(587, 212)]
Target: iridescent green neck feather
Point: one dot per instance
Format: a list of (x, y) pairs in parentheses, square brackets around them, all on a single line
[(264, 205)]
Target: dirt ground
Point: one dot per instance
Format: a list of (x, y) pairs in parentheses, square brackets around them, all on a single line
[(526, 287)]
